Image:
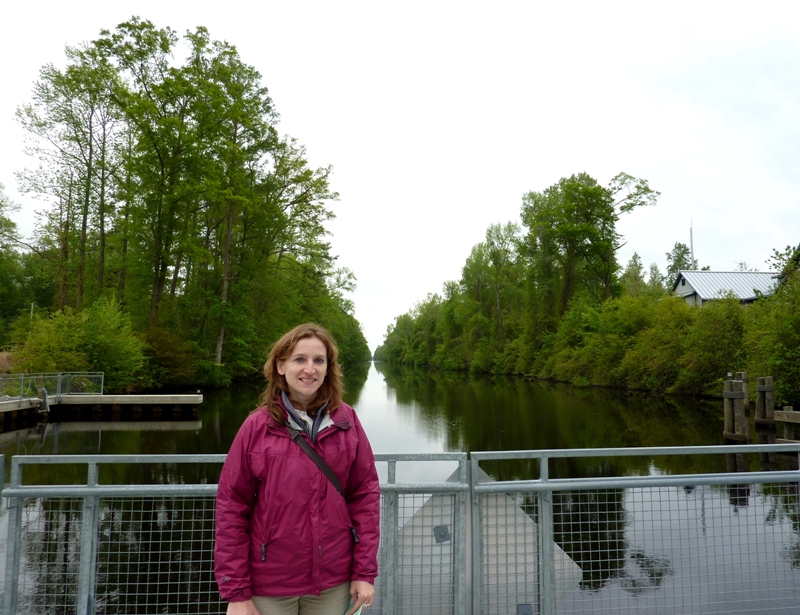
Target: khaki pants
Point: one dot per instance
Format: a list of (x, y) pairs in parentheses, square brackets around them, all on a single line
[(333, 601)]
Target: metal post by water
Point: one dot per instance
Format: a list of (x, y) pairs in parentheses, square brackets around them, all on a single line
[(13, 544), (86, 571), (391, 501), (547, 556), (460, 536), (477, 538)]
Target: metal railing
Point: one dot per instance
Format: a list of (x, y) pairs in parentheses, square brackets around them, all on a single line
[(20, 386), (660, 544), (689, 543)]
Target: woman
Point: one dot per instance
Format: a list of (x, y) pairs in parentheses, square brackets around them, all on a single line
[(286, 540)]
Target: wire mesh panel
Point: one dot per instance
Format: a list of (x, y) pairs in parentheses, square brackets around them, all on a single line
[(49, 555), (682, 550), (425, 561), (511, 556), (155, 555)]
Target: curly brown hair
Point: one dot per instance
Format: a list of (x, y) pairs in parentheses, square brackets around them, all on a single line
[(331, 389)]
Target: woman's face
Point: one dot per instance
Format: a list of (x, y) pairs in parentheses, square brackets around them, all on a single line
[(305, 369)]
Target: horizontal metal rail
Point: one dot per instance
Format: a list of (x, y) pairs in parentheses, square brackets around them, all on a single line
[(644, 451), (57, 384), (506, 537)]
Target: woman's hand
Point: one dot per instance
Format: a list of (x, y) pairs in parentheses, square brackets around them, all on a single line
[(245, 607), (362, 593)]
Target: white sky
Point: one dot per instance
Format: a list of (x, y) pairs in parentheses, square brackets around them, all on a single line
[(438, 116)]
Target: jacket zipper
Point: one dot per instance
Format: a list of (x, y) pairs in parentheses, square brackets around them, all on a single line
[(264, 552)]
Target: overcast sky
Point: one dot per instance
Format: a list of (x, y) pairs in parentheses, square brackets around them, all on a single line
[(438, 116)]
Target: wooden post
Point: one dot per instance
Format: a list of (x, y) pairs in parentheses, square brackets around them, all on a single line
[(760, 404), (789, 429), (739, 418), (727, 405), (769, 399), (739, 421), (743, 377)]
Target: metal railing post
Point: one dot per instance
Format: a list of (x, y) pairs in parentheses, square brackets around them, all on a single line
[(389, 600), (477, 538), (88, 557), (460, 537), (58, 387), (13, 543), (547, 546)]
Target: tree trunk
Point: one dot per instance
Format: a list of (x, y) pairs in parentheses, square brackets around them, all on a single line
[(84, 219), (64, 221), (155, 293), (101, 216), (500, 331), (226, 272)]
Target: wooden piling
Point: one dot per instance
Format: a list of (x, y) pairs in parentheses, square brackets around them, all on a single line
[(735, 422), (760, 403), (769, 399), (727, 405), (743, 377), (739, 418), (790, 420)]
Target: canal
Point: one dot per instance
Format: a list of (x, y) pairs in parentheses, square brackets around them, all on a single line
[(622, 539), (416, 410)]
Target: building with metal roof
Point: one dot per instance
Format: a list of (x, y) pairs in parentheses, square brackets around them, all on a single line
[(700, 287)]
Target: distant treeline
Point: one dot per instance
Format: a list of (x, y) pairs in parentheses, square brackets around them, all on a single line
[(181, 233), (553, 302)]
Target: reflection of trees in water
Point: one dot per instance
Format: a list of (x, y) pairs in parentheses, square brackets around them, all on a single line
[(784, 499), (154, 555), (482, 413), (355, 376), (51, 554), (643, 573), (590, 527)]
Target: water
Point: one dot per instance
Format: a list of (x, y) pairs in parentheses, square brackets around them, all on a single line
[(408, 410), (628, 559)]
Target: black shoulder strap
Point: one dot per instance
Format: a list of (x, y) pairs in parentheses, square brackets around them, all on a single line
[(315, 457)]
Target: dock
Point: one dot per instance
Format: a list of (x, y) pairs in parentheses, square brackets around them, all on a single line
[(79, 397)]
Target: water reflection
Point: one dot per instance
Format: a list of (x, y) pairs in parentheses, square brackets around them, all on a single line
[(619, 537), (514, 414)]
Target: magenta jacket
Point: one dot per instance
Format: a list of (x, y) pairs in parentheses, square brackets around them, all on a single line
[(282, 529)]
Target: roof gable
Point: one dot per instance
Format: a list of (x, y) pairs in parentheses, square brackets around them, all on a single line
[(716, 284)]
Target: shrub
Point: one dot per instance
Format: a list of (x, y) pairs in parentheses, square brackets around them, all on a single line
[(99, 338)]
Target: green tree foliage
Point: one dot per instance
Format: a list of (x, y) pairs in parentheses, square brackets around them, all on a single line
[(514, 291), (773, 339), (98, 338), (554, 304), (11, 301), (168, 185), (679, 259)]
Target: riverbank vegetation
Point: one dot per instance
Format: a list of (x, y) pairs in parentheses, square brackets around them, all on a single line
[(181, 232), (549, 299)]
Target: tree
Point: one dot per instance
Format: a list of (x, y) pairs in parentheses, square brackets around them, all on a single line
[(679, 259), (73, 125), (11, 298), (655, 280), (501, 249), (572, 236), (633, 276), (169, 179)]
